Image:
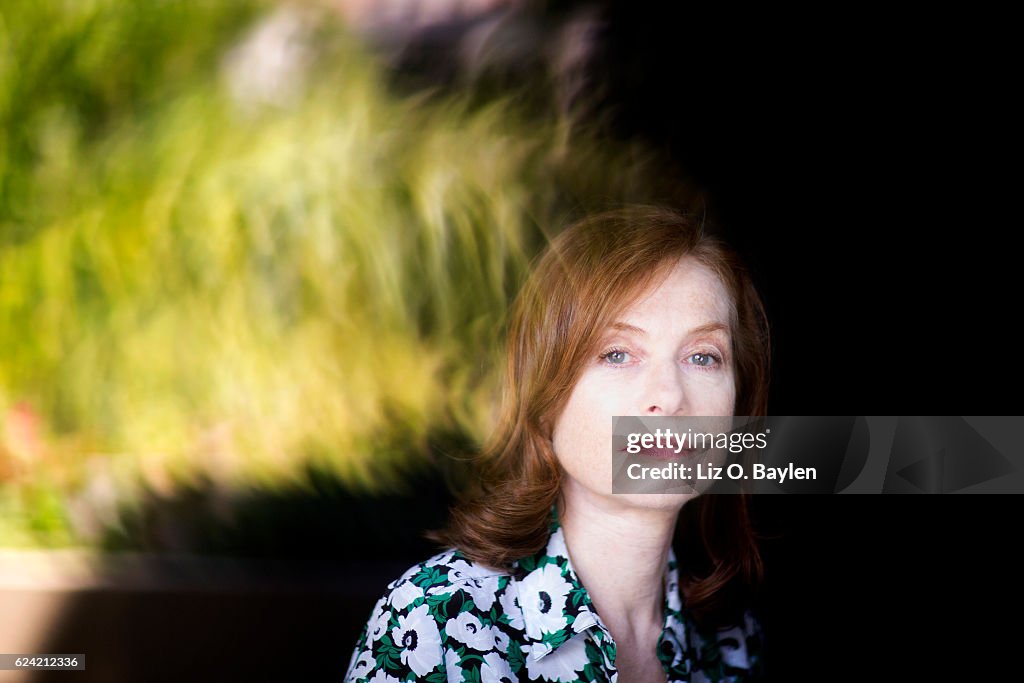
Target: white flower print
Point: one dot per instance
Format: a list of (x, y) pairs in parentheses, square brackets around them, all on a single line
[(382, 677), (734, 656), (451, 666), (562, 664), (495, 670), (542, 597), (499, 639), (442, 589), (510, 606), (676, 627), (458, 570), (444, 558), (379, 624), (556, 545), (468, 630), (585, 618), (419, 640), (481, 586), (363, 665), (482, 590), (403, 594)]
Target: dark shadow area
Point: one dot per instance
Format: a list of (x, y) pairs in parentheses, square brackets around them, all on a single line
[(279, 633), (888, 587), (275, 587), (319, 521)]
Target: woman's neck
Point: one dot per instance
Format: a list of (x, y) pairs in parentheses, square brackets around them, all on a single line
[(619, 553)]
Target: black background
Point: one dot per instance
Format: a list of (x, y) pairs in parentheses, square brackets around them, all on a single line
[(856, 161)]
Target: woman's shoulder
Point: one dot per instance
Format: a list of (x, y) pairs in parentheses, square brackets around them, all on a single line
[(453, 565), (432, 617), (446, 574), (450, 573)]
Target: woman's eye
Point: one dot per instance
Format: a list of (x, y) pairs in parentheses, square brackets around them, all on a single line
[(615, 357), (704, 360)]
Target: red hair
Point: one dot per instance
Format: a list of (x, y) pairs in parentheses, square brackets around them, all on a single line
[(590, 273)]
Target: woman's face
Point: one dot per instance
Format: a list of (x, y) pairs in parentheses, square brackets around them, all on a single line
[(669, 353)]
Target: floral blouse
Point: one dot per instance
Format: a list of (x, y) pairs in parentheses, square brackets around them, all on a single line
[(449, 619)]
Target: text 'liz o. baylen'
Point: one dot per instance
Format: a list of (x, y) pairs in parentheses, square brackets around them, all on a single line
[(666, 443)]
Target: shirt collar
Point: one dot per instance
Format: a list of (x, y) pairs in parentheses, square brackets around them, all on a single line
[(537, 582)]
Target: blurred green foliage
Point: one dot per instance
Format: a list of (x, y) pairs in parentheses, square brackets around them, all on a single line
[(204, 274)]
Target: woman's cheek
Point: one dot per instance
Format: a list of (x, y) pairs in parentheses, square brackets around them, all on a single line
[(715, 393)]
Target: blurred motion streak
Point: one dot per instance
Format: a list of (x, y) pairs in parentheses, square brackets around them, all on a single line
[(229, 251)]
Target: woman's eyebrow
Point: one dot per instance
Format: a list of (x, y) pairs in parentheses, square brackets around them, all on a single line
[(626, 327), (706, 328), (710, 327)]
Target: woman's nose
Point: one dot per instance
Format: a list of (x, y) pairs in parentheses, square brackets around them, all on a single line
[(666, 393)]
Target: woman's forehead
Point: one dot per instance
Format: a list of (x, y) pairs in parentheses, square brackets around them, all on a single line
[(688, 291)]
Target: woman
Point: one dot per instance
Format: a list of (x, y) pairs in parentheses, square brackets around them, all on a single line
[(632, 312)]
